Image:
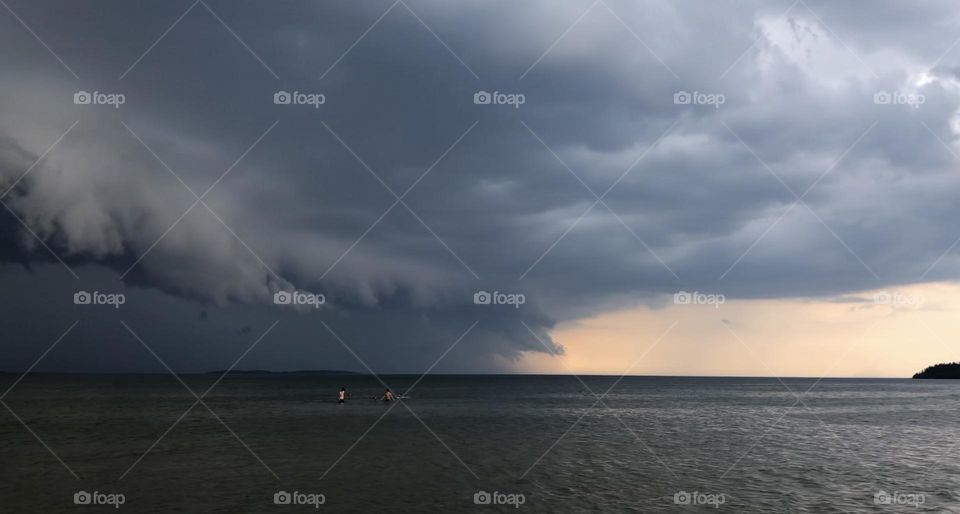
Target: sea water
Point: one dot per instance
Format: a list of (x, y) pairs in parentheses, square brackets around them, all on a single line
[(281, 443)]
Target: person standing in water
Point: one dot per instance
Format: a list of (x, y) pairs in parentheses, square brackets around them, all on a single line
[(388, 395), (342, 395)]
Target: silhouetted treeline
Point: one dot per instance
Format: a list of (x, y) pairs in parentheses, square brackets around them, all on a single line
[(944, 370)]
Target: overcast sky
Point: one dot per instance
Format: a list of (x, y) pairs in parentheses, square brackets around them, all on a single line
[(816, 159)]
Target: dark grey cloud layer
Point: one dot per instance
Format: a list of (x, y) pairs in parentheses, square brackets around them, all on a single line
[(799, 90)]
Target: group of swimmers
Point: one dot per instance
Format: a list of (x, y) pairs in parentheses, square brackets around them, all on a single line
[(388, 395)]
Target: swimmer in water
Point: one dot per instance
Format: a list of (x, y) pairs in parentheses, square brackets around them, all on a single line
[(388, 395), (342, 395)]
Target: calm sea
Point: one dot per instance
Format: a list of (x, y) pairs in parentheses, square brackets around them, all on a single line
[(511, 443)]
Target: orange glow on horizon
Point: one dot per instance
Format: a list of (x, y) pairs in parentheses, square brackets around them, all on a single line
[(883, 333)]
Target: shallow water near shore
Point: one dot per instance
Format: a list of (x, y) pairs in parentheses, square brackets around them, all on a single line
[(653, 444)]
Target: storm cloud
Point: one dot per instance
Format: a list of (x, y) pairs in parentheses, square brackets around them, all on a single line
[(828, 167)]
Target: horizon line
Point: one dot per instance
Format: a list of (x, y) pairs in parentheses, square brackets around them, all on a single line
[(367, 374)]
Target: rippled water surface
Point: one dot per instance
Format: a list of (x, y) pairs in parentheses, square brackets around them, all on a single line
[(757, 445)]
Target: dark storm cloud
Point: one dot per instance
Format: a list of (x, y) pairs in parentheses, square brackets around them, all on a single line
[(799, 92)]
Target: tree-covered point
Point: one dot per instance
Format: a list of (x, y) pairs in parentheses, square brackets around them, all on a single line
[(944, 370)]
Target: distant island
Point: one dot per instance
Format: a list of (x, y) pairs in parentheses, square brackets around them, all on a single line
[(299, 372), (944, 370)]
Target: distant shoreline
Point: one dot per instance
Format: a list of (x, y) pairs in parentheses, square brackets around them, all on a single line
[(947, 370)]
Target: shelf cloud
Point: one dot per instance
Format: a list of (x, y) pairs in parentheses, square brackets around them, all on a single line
[(738, 150)]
